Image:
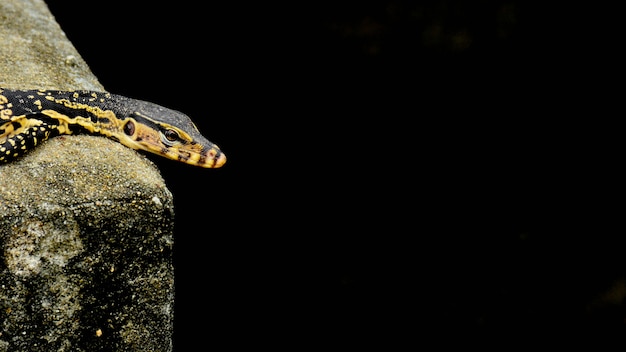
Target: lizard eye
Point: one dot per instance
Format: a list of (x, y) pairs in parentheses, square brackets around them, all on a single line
[(171, 135), (129, 128)]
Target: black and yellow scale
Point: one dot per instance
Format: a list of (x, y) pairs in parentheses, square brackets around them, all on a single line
[(29, 117)]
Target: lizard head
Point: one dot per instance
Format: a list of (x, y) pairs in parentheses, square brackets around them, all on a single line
[(169, 133)]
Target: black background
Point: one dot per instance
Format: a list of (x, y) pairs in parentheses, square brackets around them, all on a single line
[(395, 169)]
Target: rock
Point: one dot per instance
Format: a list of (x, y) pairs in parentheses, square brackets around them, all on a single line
[(36, 53), (86, 224), (86, 232)]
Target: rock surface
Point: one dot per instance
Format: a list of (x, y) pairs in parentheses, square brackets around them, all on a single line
[(35, 51), (86, 224), (86, 241)]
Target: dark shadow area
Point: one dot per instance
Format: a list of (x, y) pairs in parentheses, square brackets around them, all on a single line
[(391, 165)]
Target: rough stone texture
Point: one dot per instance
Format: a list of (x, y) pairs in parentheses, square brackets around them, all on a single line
[(86, 246), (86, 224), (35, 53)]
